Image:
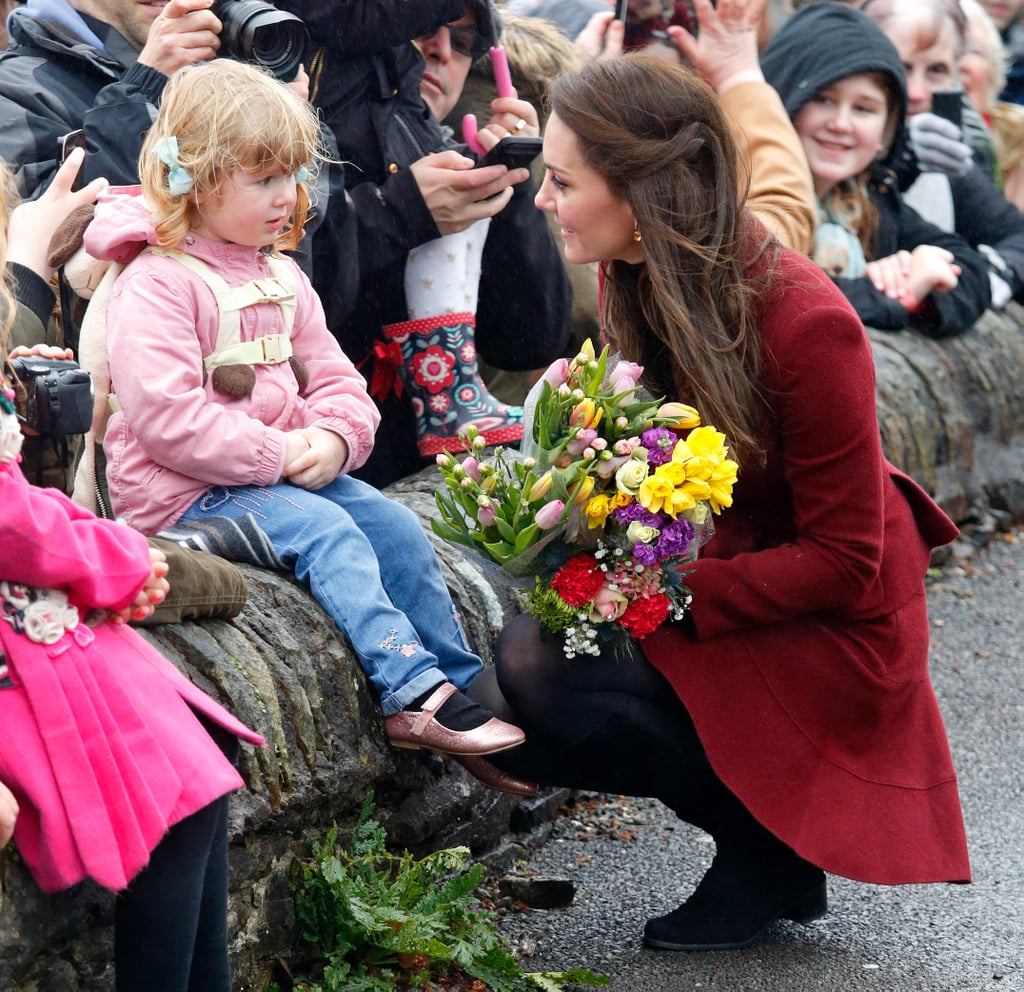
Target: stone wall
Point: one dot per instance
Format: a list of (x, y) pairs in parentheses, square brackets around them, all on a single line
[(951, 413)]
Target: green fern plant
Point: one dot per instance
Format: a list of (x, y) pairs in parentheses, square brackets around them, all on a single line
[(383, 922)]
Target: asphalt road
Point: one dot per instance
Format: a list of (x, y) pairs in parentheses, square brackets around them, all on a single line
[(633, 859)]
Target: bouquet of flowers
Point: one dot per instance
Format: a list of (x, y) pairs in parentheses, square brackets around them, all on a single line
[(608, 501)]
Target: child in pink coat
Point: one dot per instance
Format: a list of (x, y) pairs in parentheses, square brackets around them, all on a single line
[(113, 765), (233, 398)]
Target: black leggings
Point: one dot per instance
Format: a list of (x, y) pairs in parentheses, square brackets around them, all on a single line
[(610, 723), (170, 924)]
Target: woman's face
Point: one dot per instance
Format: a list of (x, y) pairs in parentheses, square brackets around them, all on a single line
[(843, 129), (976, 71), (596, 224)]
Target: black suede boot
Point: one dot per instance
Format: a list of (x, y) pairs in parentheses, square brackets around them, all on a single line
[(742, 893)]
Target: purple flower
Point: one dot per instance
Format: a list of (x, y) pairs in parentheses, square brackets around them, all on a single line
[(674, 538), (659, 442), (625, 515)]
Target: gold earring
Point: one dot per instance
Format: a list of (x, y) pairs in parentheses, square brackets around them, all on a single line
[(637, 236)]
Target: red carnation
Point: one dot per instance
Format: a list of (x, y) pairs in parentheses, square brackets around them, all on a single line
[(645, 614), (578, 580)]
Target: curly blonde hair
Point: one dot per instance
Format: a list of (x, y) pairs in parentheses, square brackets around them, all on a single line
[(227, 116)]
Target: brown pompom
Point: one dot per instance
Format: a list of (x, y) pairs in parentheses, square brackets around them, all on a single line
[(234, 381), (67, 239), (300, 372)]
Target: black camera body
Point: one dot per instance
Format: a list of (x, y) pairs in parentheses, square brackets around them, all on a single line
[(58, 395), (256, 31)]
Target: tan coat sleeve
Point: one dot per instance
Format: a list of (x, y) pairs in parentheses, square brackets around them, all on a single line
[(781, 191)]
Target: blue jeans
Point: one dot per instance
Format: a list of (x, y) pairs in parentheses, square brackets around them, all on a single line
[(369, 564)]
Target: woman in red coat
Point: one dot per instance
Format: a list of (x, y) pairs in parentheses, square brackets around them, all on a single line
[(791, 714)]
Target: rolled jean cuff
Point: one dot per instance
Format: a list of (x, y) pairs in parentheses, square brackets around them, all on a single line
[(398, 700)]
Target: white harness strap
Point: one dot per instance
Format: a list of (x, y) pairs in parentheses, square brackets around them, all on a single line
[(278, 288)]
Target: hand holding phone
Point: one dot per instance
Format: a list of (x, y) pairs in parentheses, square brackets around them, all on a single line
[(516, 152), (949, 105)]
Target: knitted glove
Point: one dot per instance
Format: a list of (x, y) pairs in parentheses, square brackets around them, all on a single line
[(939, 145)]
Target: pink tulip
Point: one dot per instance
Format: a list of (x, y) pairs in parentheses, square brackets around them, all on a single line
[(472, 467), (549, 514), (485, 516), (557, 373), (624, 378)]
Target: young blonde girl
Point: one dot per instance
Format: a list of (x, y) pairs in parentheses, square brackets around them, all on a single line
[(113, 765), (234, 399)]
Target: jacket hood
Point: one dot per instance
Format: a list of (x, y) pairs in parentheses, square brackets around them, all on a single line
[(53, 10), (121, 226), (825, 42)]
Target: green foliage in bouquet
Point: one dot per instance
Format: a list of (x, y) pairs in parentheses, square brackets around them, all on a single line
[(384, 922)]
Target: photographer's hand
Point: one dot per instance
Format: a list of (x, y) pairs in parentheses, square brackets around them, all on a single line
[(724, 51), (457, 194), (512, 117), (602, 37), (33, 222), (186, 32)]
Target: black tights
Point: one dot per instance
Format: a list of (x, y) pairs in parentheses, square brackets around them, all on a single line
[(170, 924), (610, 723)]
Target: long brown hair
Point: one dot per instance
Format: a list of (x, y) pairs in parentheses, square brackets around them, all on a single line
[(657, 135)]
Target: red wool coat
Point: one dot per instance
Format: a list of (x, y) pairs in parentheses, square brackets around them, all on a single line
[(807, 678)]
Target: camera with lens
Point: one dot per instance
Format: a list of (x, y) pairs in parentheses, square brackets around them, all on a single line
[(58, 395), (255, 31)]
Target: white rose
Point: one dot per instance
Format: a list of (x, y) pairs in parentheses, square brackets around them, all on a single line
[(631, 476), (42, 623), (638, 533)]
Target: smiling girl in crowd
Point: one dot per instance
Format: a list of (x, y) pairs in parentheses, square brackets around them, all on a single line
[(848, 102), (235, 400)]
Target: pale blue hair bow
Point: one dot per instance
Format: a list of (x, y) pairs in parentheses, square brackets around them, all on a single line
[(302, 175), (179, 181)]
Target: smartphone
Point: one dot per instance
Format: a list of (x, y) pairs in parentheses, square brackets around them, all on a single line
[(647, 20), (67, 143), (948, 104), (515, 151)]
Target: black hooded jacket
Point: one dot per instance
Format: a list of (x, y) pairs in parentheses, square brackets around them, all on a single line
[(818, 46), (365, 80)]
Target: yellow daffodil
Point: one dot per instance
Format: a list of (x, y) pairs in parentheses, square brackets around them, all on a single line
[(597, 510), (706, 442), (656, 493), (723, 478)]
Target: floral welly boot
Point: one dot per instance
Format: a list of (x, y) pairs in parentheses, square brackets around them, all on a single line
[(440, 372), (438, 344)]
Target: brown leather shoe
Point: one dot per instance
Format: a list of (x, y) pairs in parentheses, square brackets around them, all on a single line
[(493, 777), (420, 729)]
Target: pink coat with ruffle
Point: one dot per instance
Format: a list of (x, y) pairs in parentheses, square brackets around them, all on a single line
[(100, 741)]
